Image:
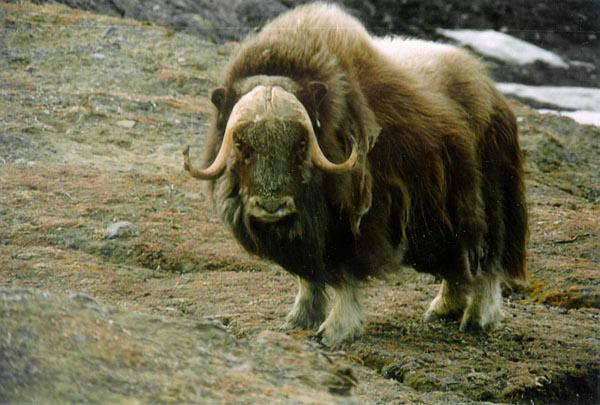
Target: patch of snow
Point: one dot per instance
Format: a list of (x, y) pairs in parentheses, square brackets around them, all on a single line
[(409, 51), (574, 98), (504, 47), (392, 45), (589, 66), (581, 116)]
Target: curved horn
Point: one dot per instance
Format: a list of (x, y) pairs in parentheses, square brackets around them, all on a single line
[(325, 164), (317, 155), (217, 168), (259, 104)]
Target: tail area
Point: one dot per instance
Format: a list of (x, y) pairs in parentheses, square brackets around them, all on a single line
[(515, 219), (507, 191)]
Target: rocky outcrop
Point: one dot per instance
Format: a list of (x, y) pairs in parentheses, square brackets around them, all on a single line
[(570, 29)]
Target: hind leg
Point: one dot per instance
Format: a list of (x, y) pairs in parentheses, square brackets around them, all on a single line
[(474, 296), (483, 310), (449, 303), (454, 293), (309, 307)]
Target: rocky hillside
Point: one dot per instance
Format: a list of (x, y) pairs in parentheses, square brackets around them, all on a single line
[(118, 283), (569, 28)]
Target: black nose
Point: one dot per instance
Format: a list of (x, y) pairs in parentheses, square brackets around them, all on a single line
[(270, 209), (270, 205)]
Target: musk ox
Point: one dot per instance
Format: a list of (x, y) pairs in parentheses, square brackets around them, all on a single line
[(333, 153)]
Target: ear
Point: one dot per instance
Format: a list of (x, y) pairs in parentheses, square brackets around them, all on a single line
[(318, 90), (218, 97)]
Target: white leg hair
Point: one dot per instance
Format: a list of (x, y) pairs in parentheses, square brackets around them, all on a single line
[(475, 300), (345, 320), (483, 310), (309, 308), (449, 302)]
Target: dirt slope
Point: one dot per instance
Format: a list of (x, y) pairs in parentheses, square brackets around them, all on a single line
[(94, 112)]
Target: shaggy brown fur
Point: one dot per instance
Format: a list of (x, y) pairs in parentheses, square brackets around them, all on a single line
[(439, 181)]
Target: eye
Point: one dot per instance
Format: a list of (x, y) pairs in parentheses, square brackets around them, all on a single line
[(245, 151), (301, 150)]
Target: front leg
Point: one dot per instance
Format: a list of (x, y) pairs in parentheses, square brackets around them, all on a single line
[(309, 308), (345, 320)]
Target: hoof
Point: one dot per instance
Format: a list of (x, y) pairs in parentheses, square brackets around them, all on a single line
[(335, 337), (474, 328), (434, 316), (478, 321), (308, 311), (303, 320)]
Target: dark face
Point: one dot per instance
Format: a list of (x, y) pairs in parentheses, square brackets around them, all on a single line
[(272, 165), (269, 172)]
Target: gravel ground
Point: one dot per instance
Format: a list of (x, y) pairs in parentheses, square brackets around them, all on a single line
[(94, 112)]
